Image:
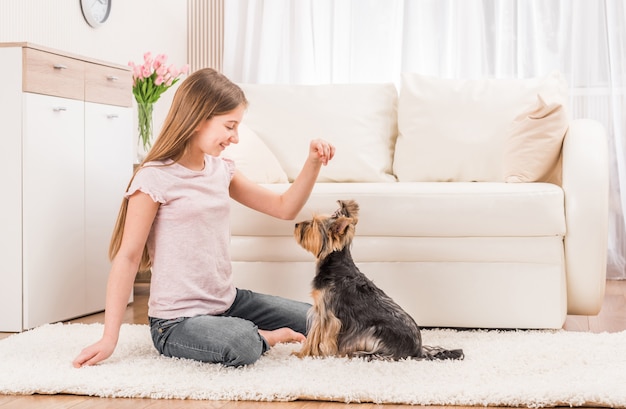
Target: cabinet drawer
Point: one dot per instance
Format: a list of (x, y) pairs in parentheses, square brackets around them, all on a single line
[(52, 74), (108, 85)]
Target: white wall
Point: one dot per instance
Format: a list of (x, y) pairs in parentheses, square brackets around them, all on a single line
[(133, 27)]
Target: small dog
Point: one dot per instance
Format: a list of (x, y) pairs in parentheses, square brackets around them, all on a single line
[(350, 315)]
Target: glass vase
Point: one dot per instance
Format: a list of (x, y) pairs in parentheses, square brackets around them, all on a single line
[(144, 126)]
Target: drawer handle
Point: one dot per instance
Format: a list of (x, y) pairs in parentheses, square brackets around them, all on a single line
[(59, 109), (112, 116), (60, 67), (112, 77)]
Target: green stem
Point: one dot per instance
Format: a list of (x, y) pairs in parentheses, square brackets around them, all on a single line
[(144, 110)]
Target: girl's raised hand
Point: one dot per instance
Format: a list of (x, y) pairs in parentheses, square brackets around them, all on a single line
[(321, 150)]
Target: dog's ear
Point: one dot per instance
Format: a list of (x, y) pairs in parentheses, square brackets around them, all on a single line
[(340, 225), (348, 208)]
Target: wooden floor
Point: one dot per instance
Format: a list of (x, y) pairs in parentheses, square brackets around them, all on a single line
[(612, 318)]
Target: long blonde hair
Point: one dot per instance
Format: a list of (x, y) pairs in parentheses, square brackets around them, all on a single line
[(201, 96)]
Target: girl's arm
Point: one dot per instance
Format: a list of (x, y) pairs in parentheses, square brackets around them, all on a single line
[(139, 217), (288, 204)]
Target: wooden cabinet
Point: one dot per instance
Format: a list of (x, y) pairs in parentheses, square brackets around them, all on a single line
[(66, 159)]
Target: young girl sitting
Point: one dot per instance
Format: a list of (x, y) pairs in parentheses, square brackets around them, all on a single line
[(174, 219)]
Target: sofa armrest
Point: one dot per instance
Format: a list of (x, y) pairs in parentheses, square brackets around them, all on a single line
[(586, 189)]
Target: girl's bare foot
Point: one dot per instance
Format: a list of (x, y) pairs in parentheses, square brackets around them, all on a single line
[(281, 335)]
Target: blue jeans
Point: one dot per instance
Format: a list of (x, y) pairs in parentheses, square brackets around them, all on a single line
[(231, 338)]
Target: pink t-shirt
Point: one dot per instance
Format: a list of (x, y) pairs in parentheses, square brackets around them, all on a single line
[(190, 237)]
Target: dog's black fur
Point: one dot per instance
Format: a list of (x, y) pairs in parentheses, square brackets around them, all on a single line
[(351, 316)]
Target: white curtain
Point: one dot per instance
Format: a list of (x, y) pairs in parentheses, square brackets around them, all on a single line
[(359, 41)]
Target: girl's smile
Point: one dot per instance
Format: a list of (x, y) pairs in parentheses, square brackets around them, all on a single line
[(212, 137)]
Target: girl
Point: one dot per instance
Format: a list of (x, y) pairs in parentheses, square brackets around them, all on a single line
[(175, 220)]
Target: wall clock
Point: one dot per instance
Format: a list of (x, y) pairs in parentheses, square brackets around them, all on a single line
[(96, 12)]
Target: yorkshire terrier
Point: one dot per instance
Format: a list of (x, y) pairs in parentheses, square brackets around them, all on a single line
[(351, 316)]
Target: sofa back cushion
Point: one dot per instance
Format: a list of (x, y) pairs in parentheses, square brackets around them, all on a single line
[(532, 151), (359, 119), (458, 130)]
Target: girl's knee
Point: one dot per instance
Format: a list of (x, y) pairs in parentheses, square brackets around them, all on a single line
[(241, 343), (220, 340), (245, 351), (241, 357)]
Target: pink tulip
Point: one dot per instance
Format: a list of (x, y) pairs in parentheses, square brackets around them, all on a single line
[(159, 61), (137, 72), (173, 71), (146, 71), (161, 71), (159, 80), (185, 69)]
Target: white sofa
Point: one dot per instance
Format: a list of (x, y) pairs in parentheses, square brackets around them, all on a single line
[(482, 204)]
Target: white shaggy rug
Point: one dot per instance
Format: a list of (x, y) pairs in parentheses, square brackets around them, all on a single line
[(501, 368)]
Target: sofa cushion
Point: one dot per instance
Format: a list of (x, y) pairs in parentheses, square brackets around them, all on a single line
[(455, 130), (254, 159), (360, 120), (426, 209), (533, 147)]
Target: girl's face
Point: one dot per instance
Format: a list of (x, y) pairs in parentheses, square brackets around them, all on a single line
[(215, 134)]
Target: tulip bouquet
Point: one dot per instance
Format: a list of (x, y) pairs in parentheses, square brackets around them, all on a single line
[(150, 80)]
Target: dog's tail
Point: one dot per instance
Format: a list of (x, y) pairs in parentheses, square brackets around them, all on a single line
[(438, 353)]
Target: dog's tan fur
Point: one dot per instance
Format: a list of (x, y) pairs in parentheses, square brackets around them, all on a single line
[(324, 329)]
